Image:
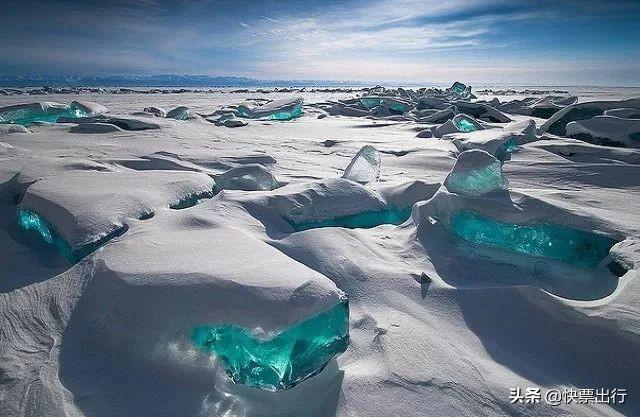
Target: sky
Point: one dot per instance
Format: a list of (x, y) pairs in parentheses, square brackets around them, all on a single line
[(543, 42)]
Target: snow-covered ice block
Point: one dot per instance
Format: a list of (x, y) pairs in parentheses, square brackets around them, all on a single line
[(123, 122), (557, 124), (440, 116), (365, 166), (179, 113), (89, 108), (460, 90), (282, 109), (475, 173), (251, 177), (460, 123), (498, 142), (395, 106), (95, 128), (624, 113), (482, 111), (156, 111), (606, 130), (184, 279), (83, 207)]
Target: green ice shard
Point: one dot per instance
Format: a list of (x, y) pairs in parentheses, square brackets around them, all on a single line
[(572, 246), (286, 115), (365, 220), (282, 360), (465, 126), (31, 221), (47, 112)]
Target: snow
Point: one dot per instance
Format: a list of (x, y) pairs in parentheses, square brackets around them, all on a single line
[(442, 320)]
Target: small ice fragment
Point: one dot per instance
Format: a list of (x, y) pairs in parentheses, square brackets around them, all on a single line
[(475, 173), (283, 109), (365, 166)]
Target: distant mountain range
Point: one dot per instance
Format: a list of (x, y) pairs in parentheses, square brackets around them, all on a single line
[(160, 81)]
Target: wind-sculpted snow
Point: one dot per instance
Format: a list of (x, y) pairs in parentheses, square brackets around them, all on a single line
[(209, 265), (85, 207)]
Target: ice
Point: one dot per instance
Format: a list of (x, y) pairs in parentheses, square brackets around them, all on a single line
[(499, 142), (156, 111), (460, 90), (465, 126), (365, 166), (25, 114), (282, 360), (179, 113), (31, 221), (582, 111), (575, 247), (475, 173), (250, 177), (606, 130), (482, 111), (283, 109)]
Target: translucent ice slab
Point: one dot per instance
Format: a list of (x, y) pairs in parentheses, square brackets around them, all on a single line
[(575, 247), (365, 166), (25, 114), (282, 360)]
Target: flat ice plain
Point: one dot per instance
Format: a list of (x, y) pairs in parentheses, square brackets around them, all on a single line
[(445, 319)]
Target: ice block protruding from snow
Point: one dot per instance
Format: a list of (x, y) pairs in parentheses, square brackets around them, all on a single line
[(475, 173), (179, 113), (460, 90), (50, 112), (283, 109), (278, 362), (251, 177), (607, 131), (572, 246), (365, 166), (498, 142), (460, 123)]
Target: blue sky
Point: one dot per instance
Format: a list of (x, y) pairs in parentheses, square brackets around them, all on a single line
[(542, 42)]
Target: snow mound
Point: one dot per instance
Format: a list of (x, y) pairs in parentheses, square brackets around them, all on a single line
[(84, 207), (6, 129), (95, 128)]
